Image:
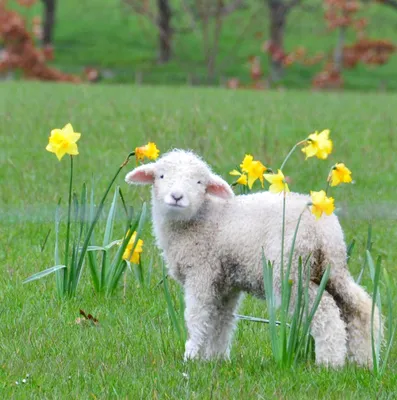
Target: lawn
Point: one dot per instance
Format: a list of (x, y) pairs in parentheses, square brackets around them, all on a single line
[(134, 352), (109, 36)]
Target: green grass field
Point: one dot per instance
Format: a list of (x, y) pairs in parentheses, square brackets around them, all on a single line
[(135, 353), (108, 36)]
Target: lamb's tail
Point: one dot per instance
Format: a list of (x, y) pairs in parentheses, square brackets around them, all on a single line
[(356, 310)]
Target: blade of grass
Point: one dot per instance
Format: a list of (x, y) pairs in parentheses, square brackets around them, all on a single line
[(42, 247)]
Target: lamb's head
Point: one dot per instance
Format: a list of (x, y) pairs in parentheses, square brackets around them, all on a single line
[(182, 182)]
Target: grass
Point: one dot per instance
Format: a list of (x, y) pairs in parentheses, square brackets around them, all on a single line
[(108, 36), (135, 352)]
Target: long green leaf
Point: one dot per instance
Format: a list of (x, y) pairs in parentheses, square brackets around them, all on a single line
[(83, 212), (391, 326), (97, 214), (350, 250), (316, 302), (92, 260), (117, 267), (125, 208), (94, 270), (60, 275), (110, 219), (375, 276), (170, 307), (368, 248), (46, 272)]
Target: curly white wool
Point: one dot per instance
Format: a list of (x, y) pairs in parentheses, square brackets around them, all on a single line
[(212, 242)]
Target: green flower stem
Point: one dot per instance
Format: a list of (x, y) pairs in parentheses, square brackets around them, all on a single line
[(68, 223), (327, 188), (95, 220), (282, 236), (290, 153)]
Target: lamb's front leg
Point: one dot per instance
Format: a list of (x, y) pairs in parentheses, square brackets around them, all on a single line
[(220, 336), (200, 316)]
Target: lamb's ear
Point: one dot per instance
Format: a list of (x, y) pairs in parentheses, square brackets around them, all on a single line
[(219, 188), (143, 175)]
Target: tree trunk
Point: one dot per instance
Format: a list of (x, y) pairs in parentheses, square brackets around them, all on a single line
[(338, 53), (278, 15), (165, 31), (214, 48), (49, 20)]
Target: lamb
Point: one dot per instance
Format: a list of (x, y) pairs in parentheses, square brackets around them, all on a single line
[(212, 242)]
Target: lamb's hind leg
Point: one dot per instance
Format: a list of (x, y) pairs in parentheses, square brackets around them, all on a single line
[(356, 308), (328, 330)]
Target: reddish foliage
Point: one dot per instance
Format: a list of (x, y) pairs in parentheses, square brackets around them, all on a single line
[(233, 83), (330, 78), (255, 68), (299, 55), (92, 74), (368, 51), (20, 51)]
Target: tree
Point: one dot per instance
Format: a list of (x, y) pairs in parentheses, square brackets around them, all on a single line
[(278, 12), (49, 21), (341, 15), (210, 16), (160, 15), (20, 51)]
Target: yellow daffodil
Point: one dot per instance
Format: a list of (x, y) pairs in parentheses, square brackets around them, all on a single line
[(149, 151), (242, 180), (246, 164), (63, 141), (321, 203), (277, 181), (253, 169), (133, 256), (340, 174), (318, 144)]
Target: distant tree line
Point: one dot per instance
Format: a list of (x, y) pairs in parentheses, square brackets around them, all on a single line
[(206, 19)]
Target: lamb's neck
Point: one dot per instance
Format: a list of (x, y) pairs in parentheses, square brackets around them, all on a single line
[(167, 230)]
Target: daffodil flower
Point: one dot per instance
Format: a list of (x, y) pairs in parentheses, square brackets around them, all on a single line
[(63, 141), (277, 181), (253, 169), (149, 151), (321, 203), (318, 144), (242, 180), (340, 174), (131, 255)]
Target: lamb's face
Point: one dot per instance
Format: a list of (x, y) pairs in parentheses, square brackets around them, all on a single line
[(181, 184), (180, 187)]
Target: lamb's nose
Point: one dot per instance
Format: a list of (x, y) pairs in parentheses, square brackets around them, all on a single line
[(177, 196)]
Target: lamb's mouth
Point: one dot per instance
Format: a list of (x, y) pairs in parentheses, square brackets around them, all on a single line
[(175, 205)]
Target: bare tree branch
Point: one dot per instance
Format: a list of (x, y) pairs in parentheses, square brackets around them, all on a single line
[(233, 6)]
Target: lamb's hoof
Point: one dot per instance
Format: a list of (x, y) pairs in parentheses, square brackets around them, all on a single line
[(331, 362), (191, 351)]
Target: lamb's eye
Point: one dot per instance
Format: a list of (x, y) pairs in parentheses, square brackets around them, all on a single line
[(199, 182), (161, 176)]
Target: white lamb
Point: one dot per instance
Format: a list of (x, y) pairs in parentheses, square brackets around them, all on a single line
[(212, 243)]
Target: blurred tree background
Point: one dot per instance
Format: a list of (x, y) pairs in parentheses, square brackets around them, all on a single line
[(236, 43)]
